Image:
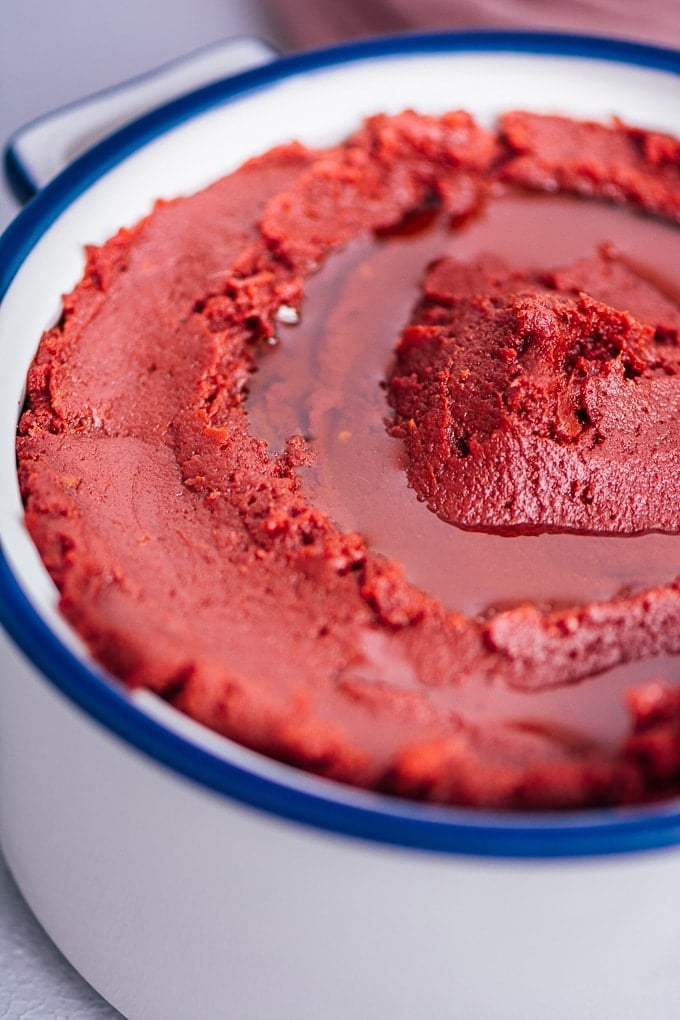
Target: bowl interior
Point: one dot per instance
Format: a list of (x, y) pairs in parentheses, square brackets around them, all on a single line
[(191, 143)]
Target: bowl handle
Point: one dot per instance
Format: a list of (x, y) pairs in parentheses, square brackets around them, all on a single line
[(39, 151)]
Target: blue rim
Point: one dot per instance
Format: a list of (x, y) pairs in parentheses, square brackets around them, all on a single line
[(372, 817)]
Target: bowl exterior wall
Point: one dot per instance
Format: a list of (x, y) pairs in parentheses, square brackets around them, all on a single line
[(175, 902)]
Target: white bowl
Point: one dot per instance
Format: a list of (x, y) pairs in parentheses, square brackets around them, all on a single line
[(187, 877)]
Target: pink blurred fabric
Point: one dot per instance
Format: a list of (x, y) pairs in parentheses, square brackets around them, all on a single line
[(306, 23)]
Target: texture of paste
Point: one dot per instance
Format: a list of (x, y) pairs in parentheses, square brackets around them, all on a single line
[(192, 560)]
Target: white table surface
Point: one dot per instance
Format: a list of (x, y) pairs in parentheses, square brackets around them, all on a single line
[(50, 54)]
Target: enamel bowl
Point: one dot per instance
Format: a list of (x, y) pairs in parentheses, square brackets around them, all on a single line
[(187, 877)]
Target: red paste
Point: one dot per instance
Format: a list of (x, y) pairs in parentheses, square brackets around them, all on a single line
[(531, 403), (216, 535)]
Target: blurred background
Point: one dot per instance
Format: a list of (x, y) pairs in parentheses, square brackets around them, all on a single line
[(54, 53), (305, 23)]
